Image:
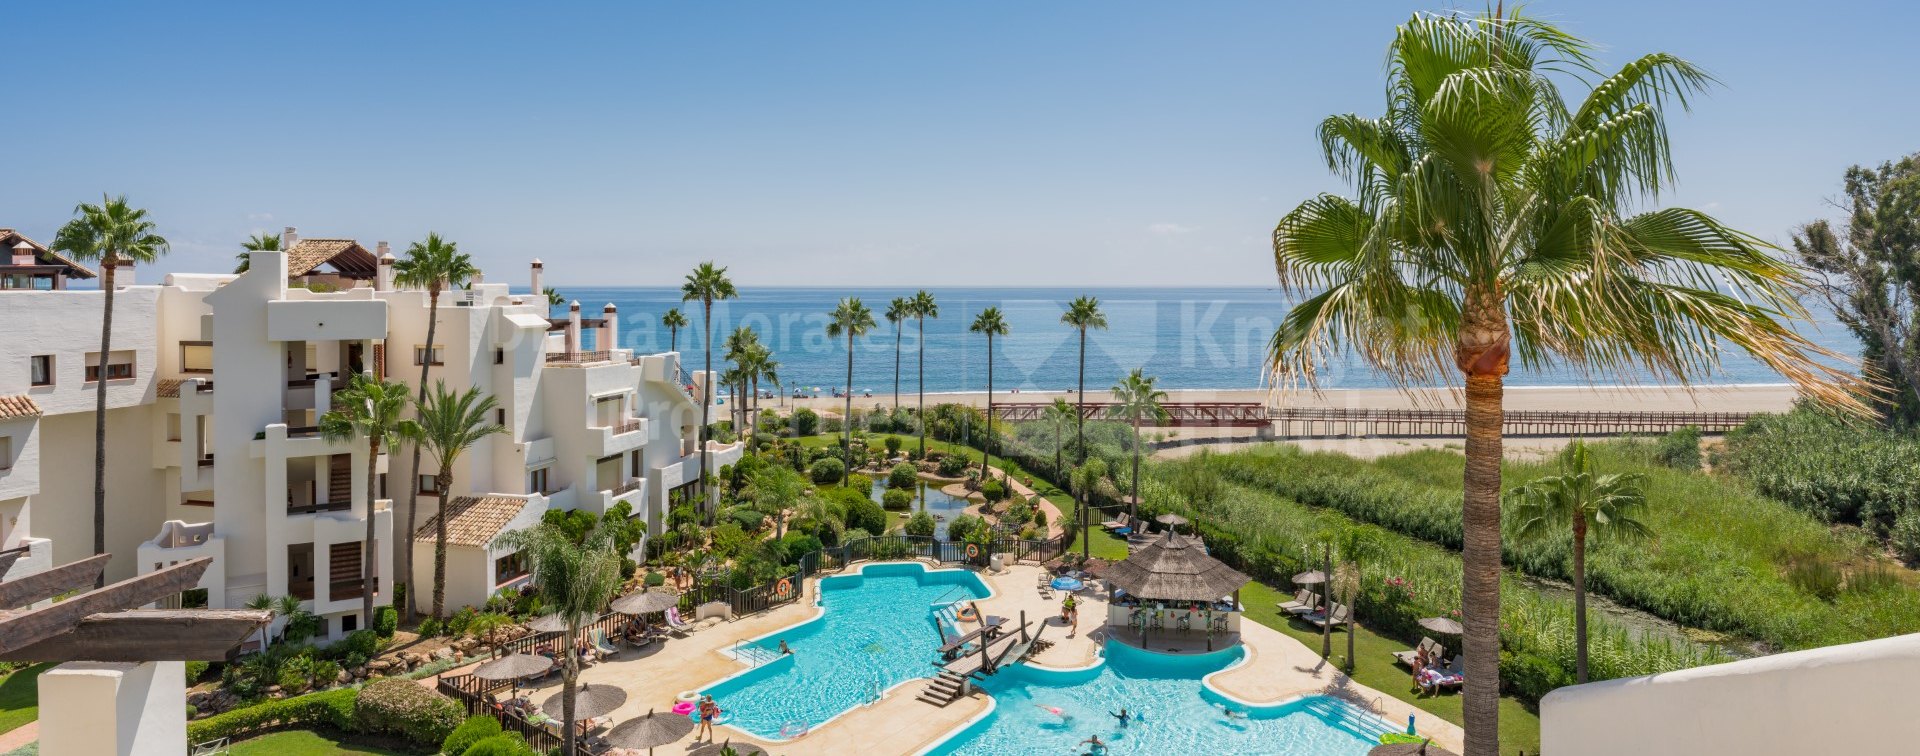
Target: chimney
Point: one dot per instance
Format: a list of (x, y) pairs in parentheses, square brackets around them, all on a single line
[(573, 327), (538, 290), (23, 254), (123, 273), (288, 238), (383, 274), (609, 337)]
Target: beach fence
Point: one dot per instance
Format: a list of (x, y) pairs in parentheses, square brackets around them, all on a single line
[(1304, 422)]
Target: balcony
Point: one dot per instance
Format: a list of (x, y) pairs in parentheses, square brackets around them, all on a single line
[(578, 358), (620, 437), (337, 590)]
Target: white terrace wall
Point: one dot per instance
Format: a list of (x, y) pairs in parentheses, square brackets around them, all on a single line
[(1856, 698)]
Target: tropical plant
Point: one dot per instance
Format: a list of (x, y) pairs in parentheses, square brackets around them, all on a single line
[(107, 233), (554, 299), (1083, 314), (898, 311), (776, 490), (707, 284), (449, 424), (674, 320), (373, 409), (435, 265), (990, 323), (1136, 400), (1057, 416), (923, 307), (919, 524), (255, 243), (575, 581), (852, 320), (1491, 219)]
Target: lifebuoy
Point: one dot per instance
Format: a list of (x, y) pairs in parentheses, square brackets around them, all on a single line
[(973, 550), (784, 587), (966, 614)]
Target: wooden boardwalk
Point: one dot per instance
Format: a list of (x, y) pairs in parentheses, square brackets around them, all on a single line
[(1303, 422)]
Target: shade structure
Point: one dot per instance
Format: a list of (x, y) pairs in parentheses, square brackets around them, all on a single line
[(588, 702), (1175, 569), (513, 667), (1443, 625), (1170, 520), (647, 602), (1410, 749), (1310, 577), (548, 623), (650, 731)]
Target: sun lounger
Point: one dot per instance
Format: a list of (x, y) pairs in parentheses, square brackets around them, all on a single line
[(601, 645), (676, 625), (1302, 600), (1310, 605), (1434, 651), (1116, 523), (1340, 616), (210, 748)]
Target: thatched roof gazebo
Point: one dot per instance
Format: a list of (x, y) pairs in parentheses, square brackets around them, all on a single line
[(1175, 570)]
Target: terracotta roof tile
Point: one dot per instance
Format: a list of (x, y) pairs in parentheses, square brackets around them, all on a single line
[(17, 406), (474, 520), (345, 254)]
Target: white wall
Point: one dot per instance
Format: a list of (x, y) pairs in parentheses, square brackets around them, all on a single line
[(1855, 698), (113, 709), (63, 510)]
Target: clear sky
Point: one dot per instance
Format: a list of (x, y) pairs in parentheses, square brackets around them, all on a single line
[(1050, 143)]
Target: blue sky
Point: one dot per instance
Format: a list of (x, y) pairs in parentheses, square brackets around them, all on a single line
[(977, 143)]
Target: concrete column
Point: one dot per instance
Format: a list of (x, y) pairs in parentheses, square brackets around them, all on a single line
[(383, 275), (539, 290), (322, 397), (289, 237), (609, 336), (113, 709), (573, 326), (123, 273)]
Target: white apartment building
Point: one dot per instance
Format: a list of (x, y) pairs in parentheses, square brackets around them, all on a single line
[(216, 385)]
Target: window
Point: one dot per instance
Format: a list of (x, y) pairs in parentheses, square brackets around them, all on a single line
[(424, 355), (349, 623), (499, 416), (6, 452), (196, 356), (429, 485), (119, 366), (537, 481), (499, 356), (173, 426), (509, 568), (42, 369)]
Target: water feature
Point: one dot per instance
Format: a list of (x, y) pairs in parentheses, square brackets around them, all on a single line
[(929, 498)]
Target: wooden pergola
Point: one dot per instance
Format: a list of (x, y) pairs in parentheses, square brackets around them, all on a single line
[(106, 624)]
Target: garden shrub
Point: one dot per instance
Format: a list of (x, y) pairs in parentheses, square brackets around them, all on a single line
[(858, 482), (920, 524), (386, 620), (893, 444), (897, 498), (332, 708), (1905, 535), (993, 490), (477, 728), (903, 475), (195, 670), (1680, 449), (865, 515), (798, 544), (1018, 513), (393, 706), (952, 465), (656, 579), (504, 744), (963, 526), (457, 624), (366, 643), (430, 628), (827, 470)]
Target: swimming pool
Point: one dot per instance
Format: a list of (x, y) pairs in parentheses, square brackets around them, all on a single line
[(876, 632), (1175, 712)]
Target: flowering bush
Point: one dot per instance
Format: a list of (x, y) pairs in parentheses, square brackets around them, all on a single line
[(405, 708)]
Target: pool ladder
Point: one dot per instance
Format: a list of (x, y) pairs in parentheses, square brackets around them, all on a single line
[(752, 656)]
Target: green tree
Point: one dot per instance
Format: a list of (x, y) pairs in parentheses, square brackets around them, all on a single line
[(674, 320), (923, 307), (1059, 415), (850, 319), (1084, 313), (255, 243), (553, 296), (776, 491), (107, 233), (434, 265), (575, 582), (1491, 219), (1603, 507), (449, 424), (1136, 400), (707, 284), (373, 409), (897, 313), (990, 323)]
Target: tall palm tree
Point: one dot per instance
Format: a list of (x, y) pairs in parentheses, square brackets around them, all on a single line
[(1058, 415), (991, 323), (575, 581), (851, 319), (706, 284), (743, 347), (435, 265), (1135, 400), (1601, 506), (449, 424), (107, 233), (923, 307), (897, 313), (760, 365), (674, 320), (1491, 220), (373, 409), (255, 243), (1082, 314)]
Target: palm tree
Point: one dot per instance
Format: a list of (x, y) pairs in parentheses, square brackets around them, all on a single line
[(1059, 414), (1135, 399), (674, 320), (450, 424), (897, 313), (374, 409), (706, 284), (434, 265), (107, 233), (255, 243), (1082, 314), (742, 348), (759, 364), (1490, 219), (851, 319), (575, 581), (553, 296), (923, 307), (991, 323), (1602, 506)]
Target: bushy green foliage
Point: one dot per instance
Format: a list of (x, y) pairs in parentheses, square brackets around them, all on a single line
[(195, 670), (332, 708), (952, 465), (1018, 513), (365, 643), (964, 527), (827, 470), (857, 481), (477, 728), (386, 620), (893, 442), (803, 422), (1841, 471), (920, 524), (504, 744), (865, 515), (993, 490), (797, 544), (431, 628), (1680, 449), (1905, 535), (392, 706), (903, 475), (897, 498)]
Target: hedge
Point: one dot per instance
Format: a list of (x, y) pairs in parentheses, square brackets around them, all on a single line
[(332, 708), (393, 706), (477, 728)]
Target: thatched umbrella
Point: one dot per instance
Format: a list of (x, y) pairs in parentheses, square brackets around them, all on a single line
[(589, 702), (1170, 520), (1410, 749), (548, 623), (514, 667), (1310, 577), (650, 731), (1443, 625), (1173, 569), (647, 602)]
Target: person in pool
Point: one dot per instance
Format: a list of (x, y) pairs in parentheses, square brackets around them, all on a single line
[(1094, 746), (783, 647), (1122, 715), (708, 712)]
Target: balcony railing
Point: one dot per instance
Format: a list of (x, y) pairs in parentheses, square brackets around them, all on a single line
[(627, 427), (626, 488), (331, 506), (577, 358)]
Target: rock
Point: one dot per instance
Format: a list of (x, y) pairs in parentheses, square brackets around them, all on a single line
[(443, 653), (342, 677)]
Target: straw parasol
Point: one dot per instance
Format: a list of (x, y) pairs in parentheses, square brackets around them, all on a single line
[(1443, 625), (589, 702), (514, 667), (1410, 749), (548, 623), (1170, 520), (647, 602), (1173, 569), (650, 731), (1310, 577)]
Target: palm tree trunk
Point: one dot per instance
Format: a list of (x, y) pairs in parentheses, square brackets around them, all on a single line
[(706, 402), (1480, 560), (368, 581), (846, 421), (673, 341), (572, 676), (1133, 510), (108, 264), (1580, 600), (413, 471), (443, 481), (897, 330), (920, 335), (1080, 439), (1326, 628), (986, 445)]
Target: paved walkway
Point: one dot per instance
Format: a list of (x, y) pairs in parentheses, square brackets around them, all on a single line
[(19, 736)]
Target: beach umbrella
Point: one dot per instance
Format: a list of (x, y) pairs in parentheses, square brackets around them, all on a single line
[(649, 731), (1170, 520), (646, 602), (1410, 749), (589, 702), (514, 667), (1310, 577), (548, 623), (1443, 625)]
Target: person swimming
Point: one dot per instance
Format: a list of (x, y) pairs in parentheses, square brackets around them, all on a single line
[(1054, 710), (783, 647), (1230, 712), (1122, 715), (1094, 746)]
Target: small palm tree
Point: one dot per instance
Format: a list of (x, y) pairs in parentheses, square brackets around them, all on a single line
[(707, 284), (553, 296), (435, 265), (897, 313), (107, 233), (1059, 415), (255, 243), (1083, 314), (575, 581), (1603, 507), (777, 489), (923, 307), (373, 409), (764, 367), (991, 323), (1136, 400), (743, 347), (449, 424), (851, 319), (674, 320)]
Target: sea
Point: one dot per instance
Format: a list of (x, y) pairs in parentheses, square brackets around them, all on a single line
[(1186, 338)]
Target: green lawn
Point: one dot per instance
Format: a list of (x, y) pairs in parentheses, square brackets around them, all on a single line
[(301, 743), (1375, 668), (20, 697)]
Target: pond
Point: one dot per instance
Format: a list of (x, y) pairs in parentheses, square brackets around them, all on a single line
[(929, 498)]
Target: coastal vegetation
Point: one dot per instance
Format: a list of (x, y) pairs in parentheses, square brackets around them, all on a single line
[(707, 284), (432, 265), (1836, 469)]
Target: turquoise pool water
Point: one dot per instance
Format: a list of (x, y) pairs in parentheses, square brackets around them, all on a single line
[(1176, 714), (877, 632)]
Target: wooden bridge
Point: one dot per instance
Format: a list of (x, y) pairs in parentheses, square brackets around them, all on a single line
[(1351, 422)]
